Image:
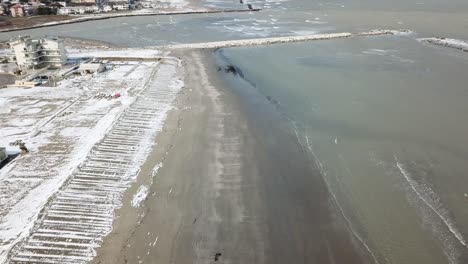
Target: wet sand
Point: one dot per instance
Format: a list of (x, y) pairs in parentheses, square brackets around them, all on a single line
[(234, 183), (6, 79)]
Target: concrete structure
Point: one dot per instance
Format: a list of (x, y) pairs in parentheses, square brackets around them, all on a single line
[(80, 2), (106, 8), (64, 11), (38, 53), (118, 5), (71, 10), (92, 9), (278, 40), (28, 84), (17, 10), (92, 67)]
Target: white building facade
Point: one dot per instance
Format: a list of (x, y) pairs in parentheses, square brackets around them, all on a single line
[(38, 53), (92, 67)]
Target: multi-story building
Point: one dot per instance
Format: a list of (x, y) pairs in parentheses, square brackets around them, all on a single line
[(38, 53), (17, 10)]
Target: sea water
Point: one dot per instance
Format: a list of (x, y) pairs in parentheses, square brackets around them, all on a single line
[(384, 119)]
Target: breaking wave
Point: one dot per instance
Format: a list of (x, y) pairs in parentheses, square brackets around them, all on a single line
[(335, 198), (434, 214), (424, 193)]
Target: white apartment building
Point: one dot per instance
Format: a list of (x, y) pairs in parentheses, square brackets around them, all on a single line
[(38, 53)]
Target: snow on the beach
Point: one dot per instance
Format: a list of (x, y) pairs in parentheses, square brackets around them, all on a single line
[(120, 53), (23, 110), (65, 124), (140, 196), (92, 170), (447, 42)]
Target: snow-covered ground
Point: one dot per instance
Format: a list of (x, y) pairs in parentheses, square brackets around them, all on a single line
[(63, 127), (121, 53)]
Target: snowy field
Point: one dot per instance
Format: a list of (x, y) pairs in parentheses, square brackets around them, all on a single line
[(72, 134), (121, 53)]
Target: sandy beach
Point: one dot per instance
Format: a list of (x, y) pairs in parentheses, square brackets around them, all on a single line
[(263, 132), (218, 189)]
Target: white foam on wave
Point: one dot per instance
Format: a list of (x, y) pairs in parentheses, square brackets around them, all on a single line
[(246, 30), (316, 22), (156, 169), (304, 32), (440, 212), (387, 53), (380, 52), (321, 168), (140, 196)]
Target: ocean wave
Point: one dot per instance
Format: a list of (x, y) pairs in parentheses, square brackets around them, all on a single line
[(434, 213), (321, 168), (431, 200)]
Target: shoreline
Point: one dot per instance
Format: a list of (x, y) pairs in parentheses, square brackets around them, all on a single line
[(215, 187), (342, 245), (129, 14)]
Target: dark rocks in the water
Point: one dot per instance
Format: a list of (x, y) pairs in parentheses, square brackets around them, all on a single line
[(234, 70), (273, 101), (230, 69), (241, 74), (217, 256)]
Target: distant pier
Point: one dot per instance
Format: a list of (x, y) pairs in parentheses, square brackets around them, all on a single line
[(278, 40)]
